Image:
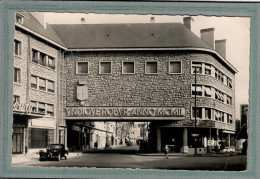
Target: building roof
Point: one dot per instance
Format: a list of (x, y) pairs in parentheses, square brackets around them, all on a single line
[(139, 35), (32, 24)]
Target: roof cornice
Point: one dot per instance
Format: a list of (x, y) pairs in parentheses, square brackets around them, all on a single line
[(40, 36)]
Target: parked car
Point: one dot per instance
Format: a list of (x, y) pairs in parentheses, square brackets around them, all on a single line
[(54, 151)]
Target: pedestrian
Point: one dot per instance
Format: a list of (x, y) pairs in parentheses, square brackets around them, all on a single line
[(96, 145), (165, 151)]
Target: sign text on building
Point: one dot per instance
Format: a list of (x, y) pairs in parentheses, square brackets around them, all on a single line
[(22, 107), (125, 111)]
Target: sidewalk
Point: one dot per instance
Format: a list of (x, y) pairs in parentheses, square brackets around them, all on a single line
[(24, 158)]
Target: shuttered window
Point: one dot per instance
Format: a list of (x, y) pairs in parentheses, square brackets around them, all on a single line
[(175, 67), (82, 68), (34, 106), (151, 68), (50, 110), (34, 82), (128, 67), (105, 68), (42, 84), (50, 86)]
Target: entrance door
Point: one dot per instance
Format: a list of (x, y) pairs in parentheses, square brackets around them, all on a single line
[(17, 143)]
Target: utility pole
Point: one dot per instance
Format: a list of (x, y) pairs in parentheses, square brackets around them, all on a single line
[(195, 144)]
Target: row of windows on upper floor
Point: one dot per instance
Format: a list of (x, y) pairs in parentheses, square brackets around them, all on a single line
[(211, 92), (151, 67), (37, 56), (36, 82), (205, 113)]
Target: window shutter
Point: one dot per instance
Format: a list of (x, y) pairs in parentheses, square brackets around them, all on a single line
[(51, 85), (42, 82), (50, 108), (41, 106)]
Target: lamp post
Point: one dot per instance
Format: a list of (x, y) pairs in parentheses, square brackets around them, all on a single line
[(195, 144)]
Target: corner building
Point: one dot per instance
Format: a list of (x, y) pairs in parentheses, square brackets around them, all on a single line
[(145, 72)]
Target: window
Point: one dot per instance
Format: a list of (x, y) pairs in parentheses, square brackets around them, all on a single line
[(17, 47), (207, 69), (42, 84), (222, 116), (219, 96), (81, 67), (50, 110), (128, 68), (35, 57), (40, 138), (229, 119), (42, 59), (17, 75), (51, 62), (33, 82), (208, 92), (229, 82), (199, 112), (197, 67), (217, 115), (19, 18), (34, 106), (198, 90), (229, 100), (175, 67), (207, 113), (16, 99), (219, 75), (50, 86), (105, 68), (151, 67), (41, 108)]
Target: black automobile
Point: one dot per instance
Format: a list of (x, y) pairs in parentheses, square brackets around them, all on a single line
[(54, 152)]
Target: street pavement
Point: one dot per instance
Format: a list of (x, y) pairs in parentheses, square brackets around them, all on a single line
[(216, 162)]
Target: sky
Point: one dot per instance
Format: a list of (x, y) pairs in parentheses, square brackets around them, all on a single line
[(236, 30)]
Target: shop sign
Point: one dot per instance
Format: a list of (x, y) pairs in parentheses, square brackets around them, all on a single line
[(125, 112), (22, 107), (214, 142)]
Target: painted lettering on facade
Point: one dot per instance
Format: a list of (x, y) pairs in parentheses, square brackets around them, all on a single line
[(124, 112), (22, 107)]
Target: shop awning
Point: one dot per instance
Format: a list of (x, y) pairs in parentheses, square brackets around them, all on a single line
[(229, 132)]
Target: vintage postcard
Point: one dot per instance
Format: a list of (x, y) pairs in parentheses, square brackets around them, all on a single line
[(97, 90)]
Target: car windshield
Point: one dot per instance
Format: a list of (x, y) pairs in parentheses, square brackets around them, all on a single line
[(54, 147)]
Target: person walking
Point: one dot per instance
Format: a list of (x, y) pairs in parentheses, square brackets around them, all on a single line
[(165, 151)]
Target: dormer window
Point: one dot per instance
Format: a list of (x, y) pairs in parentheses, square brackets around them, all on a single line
[(19, 18)]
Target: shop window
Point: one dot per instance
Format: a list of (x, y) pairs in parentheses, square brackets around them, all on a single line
[(151, 67), (50, 109), (34, 106), (128, 67), (16, 99), (41, 108), (40, 138), (19, 18), (42, 60), (51, 62), (34, 82), (175, 67), (207, 113), (81, 67), (197, 90), (17, 75), (35, 56), (42, 84), (208, 92), (17, 48), (197, 67), (105, 68), (199, 112), (207, 69), (51, 86)]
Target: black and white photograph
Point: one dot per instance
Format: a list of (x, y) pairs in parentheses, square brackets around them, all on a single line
[(130, 91)]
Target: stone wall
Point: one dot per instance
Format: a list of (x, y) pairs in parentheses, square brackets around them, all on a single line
[(140, 89)]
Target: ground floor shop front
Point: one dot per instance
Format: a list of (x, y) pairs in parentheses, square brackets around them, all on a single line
[(186, 139)]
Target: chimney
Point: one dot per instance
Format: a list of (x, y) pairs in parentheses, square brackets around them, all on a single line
[(220, 47), (187, 22), (207, 35), (152, 19)]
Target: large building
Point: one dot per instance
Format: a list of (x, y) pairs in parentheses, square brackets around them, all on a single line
[(141, 72)]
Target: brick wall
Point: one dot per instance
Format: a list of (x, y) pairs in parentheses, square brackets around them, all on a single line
[(141, 89)]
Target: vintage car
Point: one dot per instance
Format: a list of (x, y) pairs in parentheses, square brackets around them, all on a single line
[(54, 151)]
